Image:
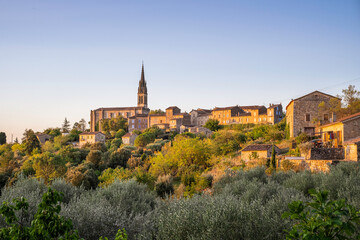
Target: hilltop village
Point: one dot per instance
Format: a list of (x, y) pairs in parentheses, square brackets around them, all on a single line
[(140, 117), (309, 114)]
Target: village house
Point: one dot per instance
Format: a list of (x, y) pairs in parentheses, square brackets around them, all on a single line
[(200, 116), (91, 138), (42, 137), (258, 151), (302, 114), (343, 133), (248, 114), (129, 138)]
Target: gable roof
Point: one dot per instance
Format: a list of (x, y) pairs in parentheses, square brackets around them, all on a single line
[(91, 133), (253, 107), (344, 119), (225, 108), (292, 100), (258, 147)]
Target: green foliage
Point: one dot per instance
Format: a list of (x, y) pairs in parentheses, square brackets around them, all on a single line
[(120, 235), (2, 138), (114, 124), (302, 138), (30, 141), (48, 166), (212, 124), (120, 133), (273, 158), (54, 132), (94, 157), (157, 111), (47, 223), (66, 126), (144, 139), (225, 142), (323, 218), (164, 186)]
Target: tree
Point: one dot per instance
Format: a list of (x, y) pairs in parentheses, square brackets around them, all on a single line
[(94, 157), (322, 218), (66, 126), (82, 125), (48, 166), (273, 158), (2, 138), (212, 124), (143, 139), (47, 222), (114, 124), (31, 141), (157, 111), (16, 140)]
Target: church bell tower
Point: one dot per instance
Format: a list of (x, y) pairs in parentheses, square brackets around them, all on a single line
[(142, 90)]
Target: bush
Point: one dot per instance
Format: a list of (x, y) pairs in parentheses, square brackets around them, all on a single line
[(102, 211), (164, 186)]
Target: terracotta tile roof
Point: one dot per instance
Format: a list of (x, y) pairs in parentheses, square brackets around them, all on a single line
[(224, 108), (353, 140), (172, 107), (127, 135), (258, 147), (90, 133), (349, 117), (356, 115), (254, 107), (120, 108)]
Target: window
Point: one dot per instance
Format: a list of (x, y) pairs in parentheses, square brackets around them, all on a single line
[(111, 115), (254, 119), (326, 117), (307, 117), (254, 113), (139, 121), (133, 121), (133, 126), (259, 119), (270, 119), (106, 115)]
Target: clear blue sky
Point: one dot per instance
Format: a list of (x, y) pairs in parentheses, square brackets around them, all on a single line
[(63, 58)]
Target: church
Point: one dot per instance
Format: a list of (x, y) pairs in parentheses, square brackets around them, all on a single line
[(141, 111)]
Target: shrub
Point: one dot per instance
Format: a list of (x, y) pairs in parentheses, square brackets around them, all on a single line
[(164, 186)]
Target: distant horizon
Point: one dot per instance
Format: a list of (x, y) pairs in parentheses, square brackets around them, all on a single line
[(64, 58)]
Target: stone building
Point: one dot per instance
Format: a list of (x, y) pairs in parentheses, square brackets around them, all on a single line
[(302, 114), (248, 114), (258, 151), (345, 129), (42, 137), (91, 137), (106, 113), (200, 116), (129, 138)]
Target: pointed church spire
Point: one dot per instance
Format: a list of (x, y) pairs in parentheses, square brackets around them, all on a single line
[(142, 90), (142, 80)]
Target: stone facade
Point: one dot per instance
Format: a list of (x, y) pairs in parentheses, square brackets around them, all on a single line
[(301, 113), (200, 116), (129, 138), (327, 154), (248, 114), (310, 165), (343, 130), (262, 151), (91, 138)]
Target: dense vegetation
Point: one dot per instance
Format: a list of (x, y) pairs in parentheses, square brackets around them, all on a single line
[(170, 186), (242, 205)]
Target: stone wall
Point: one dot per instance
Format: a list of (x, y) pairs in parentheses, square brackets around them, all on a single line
[(311, 165), (351, 129), (327, 154)]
